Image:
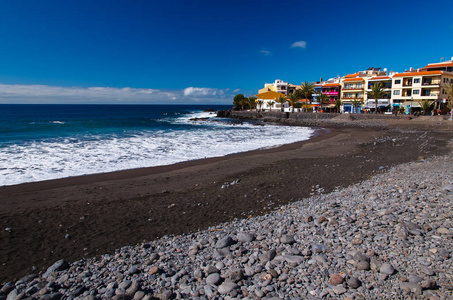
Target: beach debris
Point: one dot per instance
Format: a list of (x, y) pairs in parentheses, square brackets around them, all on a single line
[(172, 205), (8, 229)]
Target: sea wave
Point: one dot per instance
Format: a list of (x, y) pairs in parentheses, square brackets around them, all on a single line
[(67, 157)]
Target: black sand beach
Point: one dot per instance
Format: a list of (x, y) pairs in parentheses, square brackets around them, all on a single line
[(91, 215)]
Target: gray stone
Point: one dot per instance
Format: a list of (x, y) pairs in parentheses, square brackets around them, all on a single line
[(354, 283), (363, 265), (339, 289), (387, 268), (245, 237), (227, 287), (411, 287), (287, 239), (268, 256), (415, 279), (225, 242), (213, 279), (57, 266)]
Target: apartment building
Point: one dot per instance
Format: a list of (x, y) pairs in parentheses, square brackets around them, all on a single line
[(409, 89), (278, 86), (446, 66), (386, 83), (354, 89), (352, 94)]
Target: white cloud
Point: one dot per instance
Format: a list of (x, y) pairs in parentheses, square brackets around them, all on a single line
[(236, 90), (299, 44), (98, 95), (201, 94), (266, 52)]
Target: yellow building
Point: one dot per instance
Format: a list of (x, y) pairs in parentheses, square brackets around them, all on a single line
[(352, 94), (268, 97)]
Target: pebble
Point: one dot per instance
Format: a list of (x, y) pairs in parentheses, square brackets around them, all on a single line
[(227, 287), (213, 279), (400, 218), (336, 279), (387, 269)]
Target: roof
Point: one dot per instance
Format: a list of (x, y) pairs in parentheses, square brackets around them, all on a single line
[(379, 78), (418, 73), (439, 65), (331, 84), (352, 75), (271, 95), (353, 79)]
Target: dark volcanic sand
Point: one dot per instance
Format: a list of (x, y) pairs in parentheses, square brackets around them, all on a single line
[(107, 211)]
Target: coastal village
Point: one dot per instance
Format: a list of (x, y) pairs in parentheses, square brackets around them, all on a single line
[(426, 90)]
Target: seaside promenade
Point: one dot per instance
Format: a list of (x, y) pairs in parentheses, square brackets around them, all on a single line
[(360, 211)]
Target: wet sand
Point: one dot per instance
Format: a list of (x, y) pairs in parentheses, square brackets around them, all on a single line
[(90, 215)]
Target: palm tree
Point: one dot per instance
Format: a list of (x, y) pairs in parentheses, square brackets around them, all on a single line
[(271, 103), (377, 92), (282, 101), (323, 99), (259, 103), (292, 99), (355, 103), (251, 101), (338, 105), (425, 105), (307, 90), (243, 102), (449, 89), (237, 100)]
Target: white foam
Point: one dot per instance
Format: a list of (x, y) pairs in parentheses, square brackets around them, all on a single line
[(72, 157)]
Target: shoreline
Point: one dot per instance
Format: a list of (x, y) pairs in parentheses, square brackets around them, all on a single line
[(104, 212), (153, 170)]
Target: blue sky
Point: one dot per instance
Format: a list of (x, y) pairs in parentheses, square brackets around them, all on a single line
[(205, 51)]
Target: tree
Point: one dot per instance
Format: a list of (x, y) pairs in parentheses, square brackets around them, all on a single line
[(260, 103), (307, 89), (292, 99), (377, 92), (449, 89), (323, 99), (251, 101), (271, 103), (243, 102), (425, 105), (338, 105), (282, 101), (355, 103), (237, 101)]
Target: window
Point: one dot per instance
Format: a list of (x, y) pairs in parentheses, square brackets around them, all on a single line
[(417, 80), (396, 92), (398, 81), (416, 92)]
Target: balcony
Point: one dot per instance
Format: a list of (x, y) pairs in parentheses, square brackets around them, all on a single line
[(429, 82), (352, 99), (330, 93), (352, 88)]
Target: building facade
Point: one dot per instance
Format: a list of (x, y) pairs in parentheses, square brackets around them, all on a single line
[(410, 89), (385, 102), (278, 86)]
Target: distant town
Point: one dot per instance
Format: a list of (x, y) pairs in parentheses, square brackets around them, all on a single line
[(426, 90)]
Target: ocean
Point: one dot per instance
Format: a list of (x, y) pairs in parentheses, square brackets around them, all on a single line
[(41, 142)]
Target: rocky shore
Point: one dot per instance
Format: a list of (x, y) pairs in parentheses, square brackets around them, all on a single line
[(389, 235)]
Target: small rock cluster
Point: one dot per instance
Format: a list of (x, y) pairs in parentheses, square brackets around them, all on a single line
[(389, 237)]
